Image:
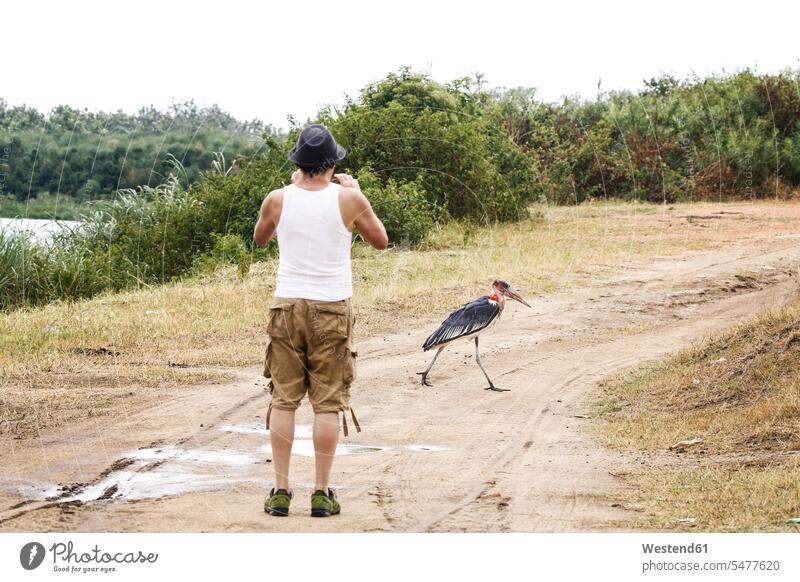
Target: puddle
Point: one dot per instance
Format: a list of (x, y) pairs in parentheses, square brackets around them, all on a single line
[(156, 472), (305, 448), (144, 474), (136, 485), (426, 448), (221, 457), (301, 431)]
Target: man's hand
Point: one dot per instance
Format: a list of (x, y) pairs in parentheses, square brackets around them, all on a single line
[(347, 181)]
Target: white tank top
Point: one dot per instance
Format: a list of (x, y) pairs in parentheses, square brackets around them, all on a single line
[(314, 246)]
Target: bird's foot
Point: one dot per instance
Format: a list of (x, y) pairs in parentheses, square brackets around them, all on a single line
[(424, 379), (494, 388)]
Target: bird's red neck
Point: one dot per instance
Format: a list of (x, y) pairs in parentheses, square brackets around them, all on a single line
[(498, 298)]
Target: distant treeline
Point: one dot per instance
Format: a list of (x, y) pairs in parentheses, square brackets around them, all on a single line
[(88, 156), (425, 153)]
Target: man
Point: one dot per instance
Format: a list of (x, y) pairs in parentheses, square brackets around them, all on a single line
[(311, 320)]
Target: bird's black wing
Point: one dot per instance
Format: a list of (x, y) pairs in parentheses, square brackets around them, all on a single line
[(468, 319)]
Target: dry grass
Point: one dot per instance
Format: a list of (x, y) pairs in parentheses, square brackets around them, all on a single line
[(218, 321), (717, 498), (740, 393)]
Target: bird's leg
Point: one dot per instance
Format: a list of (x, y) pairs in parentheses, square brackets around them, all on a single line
[(491, 384), (424, 379)]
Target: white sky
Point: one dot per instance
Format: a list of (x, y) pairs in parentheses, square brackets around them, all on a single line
[(270, 59)]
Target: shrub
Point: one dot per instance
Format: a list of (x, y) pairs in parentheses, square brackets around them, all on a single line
[(227, 249), (33, 274), (410, 129), (403, 208)]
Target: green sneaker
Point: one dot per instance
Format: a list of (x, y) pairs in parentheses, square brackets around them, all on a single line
[(277, 502), (324, 505)]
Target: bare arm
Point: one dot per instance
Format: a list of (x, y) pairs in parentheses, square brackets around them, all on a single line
[(268, 218), (368, 223), (356, 210)]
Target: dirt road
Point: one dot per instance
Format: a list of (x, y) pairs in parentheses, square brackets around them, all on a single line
[(448, 458)]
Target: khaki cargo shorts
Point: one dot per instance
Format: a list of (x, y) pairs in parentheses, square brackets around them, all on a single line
[(310, 350)]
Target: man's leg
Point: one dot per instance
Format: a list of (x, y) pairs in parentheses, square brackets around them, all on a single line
[(326, 437), (281, 436)]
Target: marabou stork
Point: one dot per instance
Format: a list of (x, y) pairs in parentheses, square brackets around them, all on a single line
[(470, 321)]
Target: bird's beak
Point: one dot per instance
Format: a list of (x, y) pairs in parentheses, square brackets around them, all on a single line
[(511, 292)]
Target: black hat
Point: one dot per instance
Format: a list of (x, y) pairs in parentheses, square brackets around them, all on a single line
[(316, 148)]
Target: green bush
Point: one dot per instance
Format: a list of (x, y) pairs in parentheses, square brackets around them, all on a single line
[(230, 204), (404, 209), (227, 249), (443, 138), (725, 136)]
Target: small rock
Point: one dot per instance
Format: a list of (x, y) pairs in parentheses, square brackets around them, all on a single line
[(695, 382), (722, 360)]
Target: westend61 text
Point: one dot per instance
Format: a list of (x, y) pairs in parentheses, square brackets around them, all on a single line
[(65, 553), (670, 549)]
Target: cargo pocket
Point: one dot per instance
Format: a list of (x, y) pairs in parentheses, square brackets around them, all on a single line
[(278, 324), (351, 354), (268, 368), (268, 361), (330, 320), (349, 366), (268, 374)]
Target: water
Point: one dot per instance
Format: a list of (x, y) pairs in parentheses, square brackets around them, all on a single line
[(42, 229), (301, 431), (156, 472), (305, 448), (152, 473), (426, 448), (303, 445)]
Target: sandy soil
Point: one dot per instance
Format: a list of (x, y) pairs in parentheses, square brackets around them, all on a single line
[(448, 458)]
